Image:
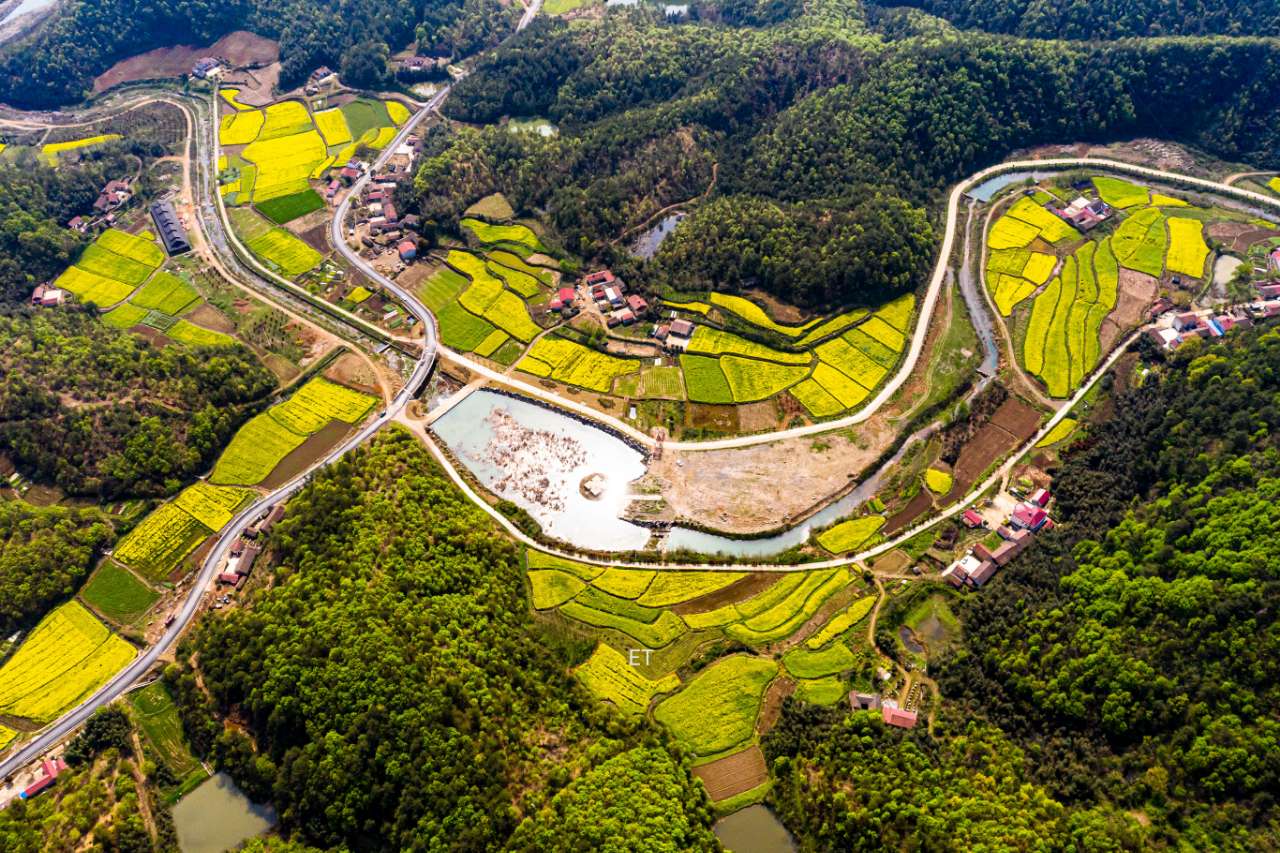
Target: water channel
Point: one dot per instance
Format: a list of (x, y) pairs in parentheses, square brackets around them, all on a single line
[(217, 817), (539, 459), (754, 829)]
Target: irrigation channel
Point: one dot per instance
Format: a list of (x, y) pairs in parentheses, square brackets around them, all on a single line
[(244, 263)]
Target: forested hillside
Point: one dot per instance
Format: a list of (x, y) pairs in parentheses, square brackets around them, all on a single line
[(397, 693), (836, 136), (102, 412), (1129, 660), (1092, 19), (59, 64)]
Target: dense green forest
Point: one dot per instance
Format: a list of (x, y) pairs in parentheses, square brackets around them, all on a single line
[(864, 122), (397, 693), (1094, 19), (57, 66), (44, 555), (101, 412), (1129, 660)]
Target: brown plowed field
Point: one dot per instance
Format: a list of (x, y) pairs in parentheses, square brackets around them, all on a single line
[(240, 47), (734, 774)]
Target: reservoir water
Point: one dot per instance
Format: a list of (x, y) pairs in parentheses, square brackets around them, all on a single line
[(217, 817), (646, 245), (754, 829)]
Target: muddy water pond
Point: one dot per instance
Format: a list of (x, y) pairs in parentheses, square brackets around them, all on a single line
[(910, 640), (646, 245), (217, 817), (755, 829)]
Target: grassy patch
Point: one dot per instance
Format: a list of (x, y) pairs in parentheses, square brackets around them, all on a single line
[(365, 114), (493, 206), (842, 621), (1139, 243), (287, 208), (807, 663), (821, 691), (167, 294), (1120, 193), (158, 718), (704, 381), (117, 594)]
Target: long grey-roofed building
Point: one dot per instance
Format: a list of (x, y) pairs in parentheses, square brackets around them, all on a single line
[(171, 230)]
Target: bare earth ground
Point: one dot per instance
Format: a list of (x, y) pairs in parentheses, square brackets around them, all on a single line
[(242, 48), (257, 86), (1136, 292), (211, 318), (740, 590), (780, 311), (351, 370), (734, 774), (771, 706)]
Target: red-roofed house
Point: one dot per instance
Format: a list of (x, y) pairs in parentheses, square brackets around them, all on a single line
[(600, 277), (565, 294), (1028, 517), (229, 578), (637, 304), (898, 717), (972, 519), (682, 328), (408, 250), (389, 212), (1040, 497), (1186, 322)]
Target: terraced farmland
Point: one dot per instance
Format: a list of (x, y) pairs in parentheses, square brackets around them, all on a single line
[(718, 708), (69, 655), (111, 268), (609, 676), (161, 541), (574, 364), (276, 247)]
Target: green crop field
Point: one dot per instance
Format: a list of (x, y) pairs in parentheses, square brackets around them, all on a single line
[(67, 656), (820, 691), (807, 663), (213, 506), (363, 115), (662, 383), (279, 249), (492, 343), (1120, 193), (488, 234), (240, 128), (117, 594), (158, 718), (938, 482), (815, 398), (124, 316), (583, 571), (1048, 225), (551, 588), (254, 451), (755, 315), (625, 583), (104, 262), (750, 379), (1139, 243), (1187, 249), (674, 587), (850, 534), (1061, 430), (842, 621), (839, 387), (574, 364), (198, 336), (90, 287), (704, 381), (611, 678), (287, 208), (333, 127), (442, 287), (718, 708), (716, 342), (460, 329), (160, 541), (319, 401), (787, 615), (166, 293), (662, 631)]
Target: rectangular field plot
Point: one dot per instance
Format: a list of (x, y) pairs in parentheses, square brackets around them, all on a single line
[(840, 387), (285, 118), (750, 379), (318, 402), (898, 312), (90, 287), (816, 399), (240, 128), (879, 330), (574, 364), (715, 342), (213, 506), (1048, 225), (442, 287), (197, 336), (842, 621), (276, 247), (461, 330), (1187, 249), (124, 316), (610, 678), (674, 587), (69, 655), (287, 208), (132, 246), (704, 381), (254, 451), (852, 362), (104, 262), (117, 594), (333, 127), (167, 294), (785, 616), (550, 588), (718, 708), (1139, 243), (160, 541), (850, 534)]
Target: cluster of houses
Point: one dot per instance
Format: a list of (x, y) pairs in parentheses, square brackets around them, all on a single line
[(114, 195), (415, 68), (1190, 324), (609, 293), (1085, 214), (386, 226), (980, 563), (245, 553)]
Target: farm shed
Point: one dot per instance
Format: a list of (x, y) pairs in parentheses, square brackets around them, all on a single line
[(682, 328), (898, 717), (972, 519), (171, 231), (408, 250), (565, 294)]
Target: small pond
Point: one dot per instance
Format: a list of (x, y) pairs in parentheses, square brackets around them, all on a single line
[(755, 829), (646, 245), (910, 640), (217, 817), (987, 190)]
